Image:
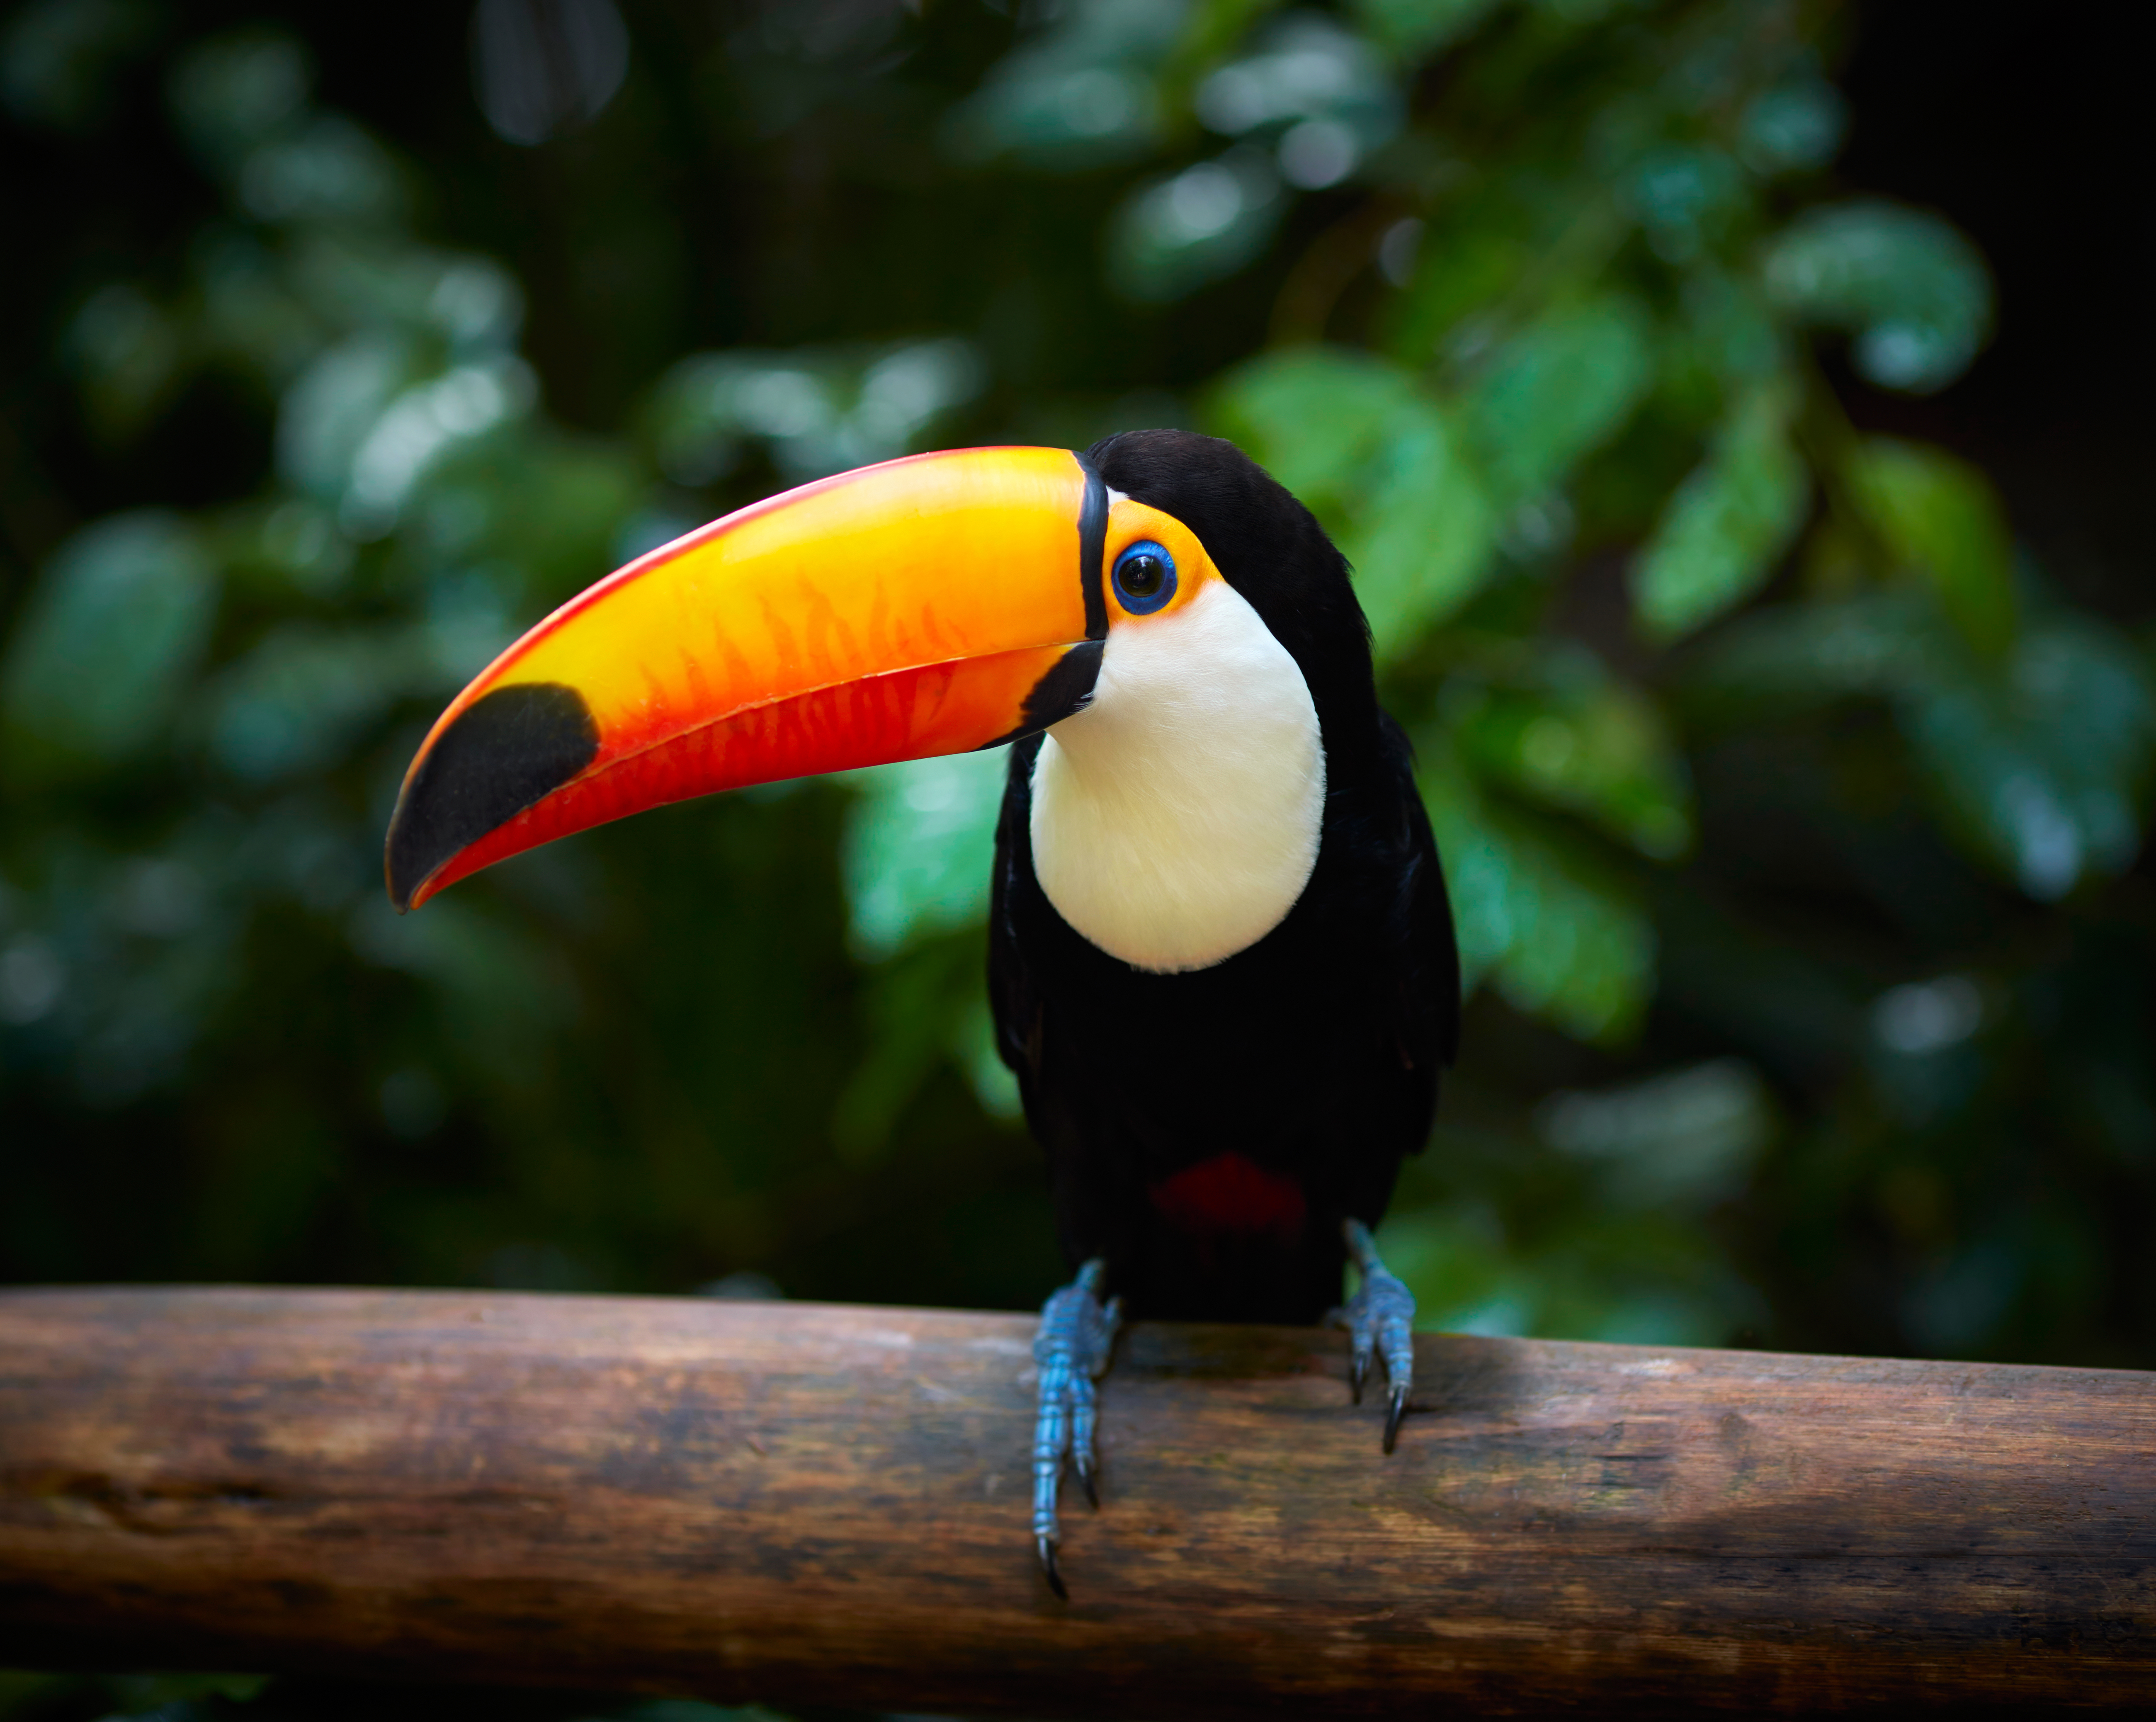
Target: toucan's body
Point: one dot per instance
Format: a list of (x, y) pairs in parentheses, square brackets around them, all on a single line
[(1209, 1131), (1214, 1179), (1220, 958)]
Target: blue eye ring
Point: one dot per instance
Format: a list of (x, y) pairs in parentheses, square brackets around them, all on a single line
[(1144, 578)]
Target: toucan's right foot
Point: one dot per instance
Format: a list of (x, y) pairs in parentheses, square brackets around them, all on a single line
[(1072, 1351), (1380, 1319)]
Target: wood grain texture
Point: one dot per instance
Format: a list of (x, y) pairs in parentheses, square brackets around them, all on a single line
[(812, 1503)]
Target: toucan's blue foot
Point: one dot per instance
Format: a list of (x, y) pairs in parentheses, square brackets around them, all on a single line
[(1072, 1351), (1380, 1318)]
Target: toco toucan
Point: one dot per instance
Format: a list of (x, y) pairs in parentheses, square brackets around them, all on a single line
[(1220, 956)]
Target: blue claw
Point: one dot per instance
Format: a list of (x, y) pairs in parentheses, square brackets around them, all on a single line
[(1071, 1349), (1380, 1319)]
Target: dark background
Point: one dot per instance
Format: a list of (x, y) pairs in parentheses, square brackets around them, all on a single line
[(2020, 134)]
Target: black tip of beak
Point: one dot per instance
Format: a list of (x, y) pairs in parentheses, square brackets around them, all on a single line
[(507, 751)]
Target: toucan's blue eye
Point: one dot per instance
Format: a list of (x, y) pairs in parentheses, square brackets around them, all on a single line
[(1145, 578)]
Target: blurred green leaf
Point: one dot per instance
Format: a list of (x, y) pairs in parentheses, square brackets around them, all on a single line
[(1214, 28), (1322, 85), (1381, 463), (286, 547), (1686, 1139), (1585, 1219), (1413, 29), (1454, 1259), (1312, 416), (1421, 535), (1541, 1250), (1914, 293), (1687, 197), (1728, 524), (236, 92), (1938, 518), (58, 58), (2044, 761), (1562, 940), (817, 411), (927, 1008), (1464, 267), (329, 171), (530, 513), (1079, 94), (1193, 227), (1728, 346), (130, 355), (1556, 391), (295, 702), (171, 1698), (1794, 126), (2039, 760), (112, 632), (1576, 738), (1795, 658), (326, 413), (919, 847)]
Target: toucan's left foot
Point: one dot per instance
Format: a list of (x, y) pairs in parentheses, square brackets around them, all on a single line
[(1380, 1319), (1072, 1349)]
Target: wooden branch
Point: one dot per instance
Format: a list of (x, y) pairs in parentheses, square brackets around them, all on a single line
[(810, 1503)]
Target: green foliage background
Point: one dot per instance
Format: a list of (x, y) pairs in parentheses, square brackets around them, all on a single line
[(1793, 803)]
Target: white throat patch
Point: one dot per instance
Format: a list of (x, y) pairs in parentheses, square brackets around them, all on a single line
[(1176, 819)]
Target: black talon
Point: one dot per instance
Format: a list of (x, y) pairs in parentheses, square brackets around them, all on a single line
[(1048, 1569), (1357, 1371), (1092, 1488), (1393, 1416)]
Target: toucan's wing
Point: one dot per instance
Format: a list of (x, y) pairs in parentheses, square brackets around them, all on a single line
[(1425, 953), (1014, 998)]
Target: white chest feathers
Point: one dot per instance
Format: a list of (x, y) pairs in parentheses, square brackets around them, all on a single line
[(1176, 819)]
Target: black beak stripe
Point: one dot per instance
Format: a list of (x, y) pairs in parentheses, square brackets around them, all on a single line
[(509, 750), (1069, 686)]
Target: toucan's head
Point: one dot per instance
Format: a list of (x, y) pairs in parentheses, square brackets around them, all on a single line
[(929, 605), (1271, 550)]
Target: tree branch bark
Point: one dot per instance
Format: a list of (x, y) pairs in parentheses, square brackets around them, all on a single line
[(809, 1503)]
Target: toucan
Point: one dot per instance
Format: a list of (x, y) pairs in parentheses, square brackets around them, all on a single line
[(1221, 960)]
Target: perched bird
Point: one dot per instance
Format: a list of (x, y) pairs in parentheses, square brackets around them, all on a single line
[(1221, 959)]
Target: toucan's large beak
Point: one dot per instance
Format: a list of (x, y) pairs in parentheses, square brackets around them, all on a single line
[(928, 605)]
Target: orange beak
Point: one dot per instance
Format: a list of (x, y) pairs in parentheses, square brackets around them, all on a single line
[(929, 605)]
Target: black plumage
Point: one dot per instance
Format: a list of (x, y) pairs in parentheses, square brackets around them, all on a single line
[(1311, 1056)]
